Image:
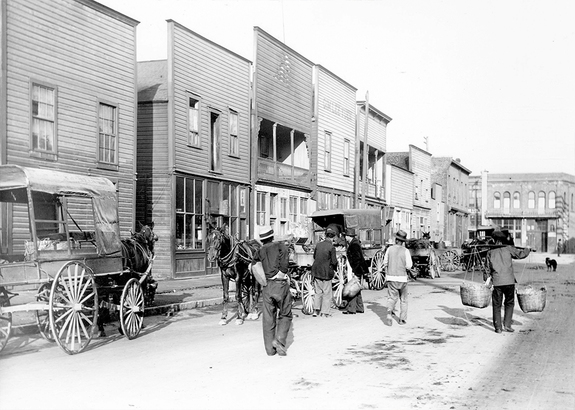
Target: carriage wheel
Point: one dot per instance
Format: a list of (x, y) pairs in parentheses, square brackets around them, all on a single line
[(377, 274), (338, 281), (450, 261), (132, 309), (73, 307), (5, 328), (42, 316), (307, 293)]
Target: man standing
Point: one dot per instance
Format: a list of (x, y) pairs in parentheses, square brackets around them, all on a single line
[(358, 266), (397, 261), (277, 315), (501, 271), (323, 271)]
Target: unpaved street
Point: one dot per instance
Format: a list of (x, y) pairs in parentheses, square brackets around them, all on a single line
[(446, 357)]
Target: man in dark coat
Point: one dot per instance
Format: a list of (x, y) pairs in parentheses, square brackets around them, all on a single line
[(323, 271), (276, 306), (359, 267), (501, 271)]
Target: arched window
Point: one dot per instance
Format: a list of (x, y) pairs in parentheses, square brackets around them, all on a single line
[(506, 200), (541, 200), (531, 200), (551, 200), (516, 201), (496, 200)]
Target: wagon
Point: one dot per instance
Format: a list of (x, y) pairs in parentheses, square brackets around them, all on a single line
[(424, 257), (368, 226), (60, 235)]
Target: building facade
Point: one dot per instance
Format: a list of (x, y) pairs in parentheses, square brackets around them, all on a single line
[(194, 151), (454, 179), (68, 94), (536, 208)]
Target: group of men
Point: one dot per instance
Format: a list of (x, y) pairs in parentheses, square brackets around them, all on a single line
[(277, 301)]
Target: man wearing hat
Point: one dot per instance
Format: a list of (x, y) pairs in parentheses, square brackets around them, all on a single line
[(276, 306), (397, 261), (323, 271), (499, 261), (359, 267)]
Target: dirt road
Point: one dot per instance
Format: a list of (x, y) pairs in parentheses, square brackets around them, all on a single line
[(446, 357)]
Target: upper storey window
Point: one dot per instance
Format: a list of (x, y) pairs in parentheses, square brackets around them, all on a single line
[(43, 119)]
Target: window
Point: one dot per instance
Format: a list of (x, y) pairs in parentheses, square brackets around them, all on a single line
[(506, 200), (261, 208), (303, 208), (273, 204), (531, 200), (189, 200), (215, 142), (293, 209), (108, 134), (552, 200), (43, 118), (194, 122), (327, 152), (516, 201), (346, 157), (541, 200), (283, 208), (234, 141), (496, 200)]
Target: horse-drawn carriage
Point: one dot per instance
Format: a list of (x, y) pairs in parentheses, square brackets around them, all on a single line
[(60, 232), (367, 224), (424, 257)]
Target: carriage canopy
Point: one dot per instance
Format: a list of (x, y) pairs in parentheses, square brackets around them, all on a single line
[(349, 218), (16, 181)]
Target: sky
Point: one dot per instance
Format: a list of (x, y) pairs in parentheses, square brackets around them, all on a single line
[(489, 82)]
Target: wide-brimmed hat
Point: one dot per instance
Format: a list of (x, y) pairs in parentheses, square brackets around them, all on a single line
[(266, 232), (401, 235), (350, 231)]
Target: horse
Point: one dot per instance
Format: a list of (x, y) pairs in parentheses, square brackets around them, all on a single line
[(233, 258), (137, 258)]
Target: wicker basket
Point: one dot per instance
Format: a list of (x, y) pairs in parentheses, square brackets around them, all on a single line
[(531, 299), (475, 294)]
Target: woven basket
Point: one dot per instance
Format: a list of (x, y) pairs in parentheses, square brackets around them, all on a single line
[(531, 299), (475, 294)]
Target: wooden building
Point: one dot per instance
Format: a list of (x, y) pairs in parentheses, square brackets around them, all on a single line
[(281, 130), (400, 198), (194, 153), (333, 141), (68, 93)]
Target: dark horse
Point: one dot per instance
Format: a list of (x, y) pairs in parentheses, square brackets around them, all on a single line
[(233, 258), (137, 259)]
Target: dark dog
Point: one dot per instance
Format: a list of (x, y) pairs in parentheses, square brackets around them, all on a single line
[(551, 263)]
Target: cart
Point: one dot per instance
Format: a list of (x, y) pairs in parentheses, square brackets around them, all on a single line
[(60, 235), (368, 226), (425, 261)]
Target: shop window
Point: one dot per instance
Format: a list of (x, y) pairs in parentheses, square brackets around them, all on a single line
[(189, 199)]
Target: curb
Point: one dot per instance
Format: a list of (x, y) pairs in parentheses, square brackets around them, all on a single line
[(168, 310)]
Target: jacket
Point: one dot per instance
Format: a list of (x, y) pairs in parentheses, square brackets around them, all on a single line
[(501, 265), (356, 260), (325, 261), (274, 257)]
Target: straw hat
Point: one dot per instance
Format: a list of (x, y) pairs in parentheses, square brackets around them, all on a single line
[(266, 232), (401, 235)]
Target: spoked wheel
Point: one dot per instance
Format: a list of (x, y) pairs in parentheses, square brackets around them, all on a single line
[(5, 328), (338, 281), (132, 309), (307, 294), (450, 261), (377, 274), (42, 316), (73, 307)]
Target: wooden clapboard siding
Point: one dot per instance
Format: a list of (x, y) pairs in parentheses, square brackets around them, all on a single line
[(283, 87), (376, 130), (154, 186), (401, 187), (335, 114), (88, 53), (222, 81), (420, 164)]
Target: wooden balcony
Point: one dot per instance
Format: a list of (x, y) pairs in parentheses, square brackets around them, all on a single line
[(283, 174)]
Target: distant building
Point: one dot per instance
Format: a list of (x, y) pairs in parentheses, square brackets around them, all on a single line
[(537, 208), (454, 178)]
